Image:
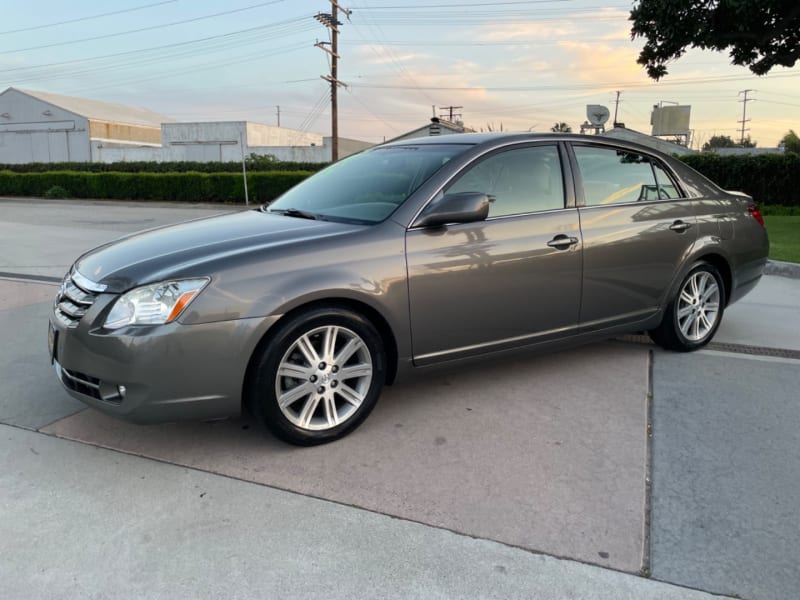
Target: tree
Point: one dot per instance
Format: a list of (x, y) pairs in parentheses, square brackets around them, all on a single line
[(726, 141), (719, 141), (746, 143), (759, 34), (791, 142), (561, 128)]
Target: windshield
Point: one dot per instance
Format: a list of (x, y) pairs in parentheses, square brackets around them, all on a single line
[(366, 187)]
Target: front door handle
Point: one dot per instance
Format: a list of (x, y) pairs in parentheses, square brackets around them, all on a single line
[(562, 242), (680, 226)]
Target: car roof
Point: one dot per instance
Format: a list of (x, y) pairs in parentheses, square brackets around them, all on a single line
[(502, 138)]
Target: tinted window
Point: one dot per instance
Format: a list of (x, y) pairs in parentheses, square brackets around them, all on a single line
[(521, 180), (613, 176), (368, 187), (666, 187)]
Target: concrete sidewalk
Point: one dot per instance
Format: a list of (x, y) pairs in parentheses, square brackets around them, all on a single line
[(83, 522)]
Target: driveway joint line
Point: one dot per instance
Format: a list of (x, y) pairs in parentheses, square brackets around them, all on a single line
[(29, 278), (725, 347), (648, 467)]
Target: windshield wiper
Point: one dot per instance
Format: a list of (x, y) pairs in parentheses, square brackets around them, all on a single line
[(294, 212)]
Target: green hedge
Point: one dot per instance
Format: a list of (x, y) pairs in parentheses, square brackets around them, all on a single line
[(771, 179), (186, 187), (253, 164)]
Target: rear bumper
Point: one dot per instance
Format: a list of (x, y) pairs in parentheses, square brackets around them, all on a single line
[(746, 278)]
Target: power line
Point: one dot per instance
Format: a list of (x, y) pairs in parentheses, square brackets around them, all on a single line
[(389, 52), (223, 39), (315, 112), (247, 58), (87, 18), (459, 5), (579, 86), (150, 28)]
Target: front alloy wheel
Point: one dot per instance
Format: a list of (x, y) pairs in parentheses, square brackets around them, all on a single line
[(323, 378), (319, 377)]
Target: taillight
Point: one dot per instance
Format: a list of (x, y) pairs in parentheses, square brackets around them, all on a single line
[(756, 214)]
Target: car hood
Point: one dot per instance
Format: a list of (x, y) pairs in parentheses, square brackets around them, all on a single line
[(181, 250)]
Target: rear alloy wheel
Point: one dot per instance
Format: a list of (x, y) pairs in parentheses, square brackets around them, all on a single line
[(691, 319), (320, 376)]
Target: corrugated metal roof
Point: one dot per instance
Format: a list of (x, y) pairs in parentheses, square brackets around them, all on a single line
[(101, 111)]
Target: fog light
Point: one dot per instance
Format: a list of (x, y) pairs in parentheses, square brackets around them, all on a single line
[(111, 392)]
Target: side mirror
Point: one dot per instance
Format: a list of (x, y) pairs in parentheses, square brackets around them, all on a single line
[(463, 207)]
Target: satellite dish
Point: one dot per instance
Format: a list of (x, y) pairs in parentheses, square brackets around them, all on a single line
[(597, 114)]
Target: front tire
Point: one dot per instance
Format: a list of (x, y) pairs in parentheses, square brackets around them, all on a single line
[(319, 376), (693, 316)]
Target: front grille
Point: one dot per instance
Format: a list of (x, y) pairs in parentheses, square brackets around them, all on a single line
[(75, 296), (90, 386), (79, 382)]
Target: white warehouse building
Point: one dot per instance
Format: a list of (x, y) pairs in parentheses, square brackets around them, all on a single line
[(228, 141), (44, 127)]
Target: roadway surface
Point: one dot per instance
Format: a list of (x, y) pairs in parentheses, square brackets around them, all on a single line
[(530, 478)]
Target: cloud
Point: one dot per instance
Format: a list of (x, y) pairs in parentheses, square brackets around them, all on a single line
[(378, 54), (501, 32), (602, 63)]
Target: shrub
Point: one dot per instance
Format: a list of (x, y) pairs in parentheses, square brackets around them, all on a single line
[(771, 179), (181, 187), (56, 192), (253, 163)]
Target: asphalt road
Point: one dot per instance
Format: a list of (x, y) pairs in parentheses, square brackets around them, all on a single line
[(528, 478)]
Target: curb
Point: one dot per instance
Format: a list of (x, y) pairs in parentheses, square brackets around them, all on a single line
[(782, 269)]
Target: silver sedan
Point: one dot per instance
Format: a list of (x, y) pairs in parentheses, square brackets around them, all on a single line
[(402, 257)]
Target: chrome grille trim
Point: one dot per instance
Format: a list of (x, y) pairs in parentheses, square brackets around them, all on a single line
[(75, 296), (87, 284)]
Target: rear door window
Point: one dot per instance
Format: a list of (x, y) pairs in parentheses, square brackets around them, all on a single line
[(617, 176)]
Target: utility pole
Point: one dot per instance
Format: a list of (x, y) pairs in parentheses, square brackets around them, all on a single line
[(331, 21), (278, 107), (744, 120), (616, 107)]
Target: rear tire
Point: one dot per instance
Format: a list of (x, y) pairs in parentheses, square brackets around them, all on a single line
[(319, 376), (692, 317)]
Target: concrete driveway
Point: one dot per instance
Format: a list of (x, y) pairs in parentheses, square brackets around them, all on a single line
[(536, 477)]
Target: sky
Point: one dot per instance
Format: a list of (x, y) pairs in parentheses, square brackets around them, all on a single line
[(513, 65)]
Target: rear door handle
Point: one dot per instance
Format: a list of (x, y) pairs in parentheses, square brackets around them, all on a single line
[(562, 242), (680, 226)]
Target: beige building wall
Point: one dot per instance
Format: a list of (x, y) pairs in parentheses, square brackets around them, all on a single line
[(124, 132)]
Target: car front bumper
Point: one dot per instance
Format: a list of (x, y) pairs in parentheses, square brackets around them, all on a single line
[(156, 374)]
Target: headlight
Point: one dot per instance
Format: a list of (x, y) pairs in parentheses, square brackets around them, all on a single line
[(154, 304)]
